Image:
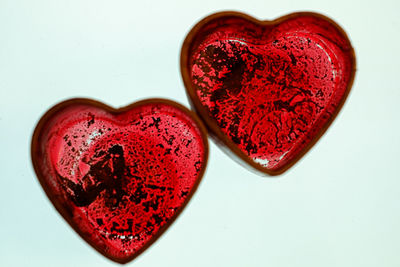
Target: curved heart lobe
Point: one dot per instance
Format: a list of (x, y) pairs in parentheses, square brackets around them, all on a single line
[(268, 90), (119, 177)]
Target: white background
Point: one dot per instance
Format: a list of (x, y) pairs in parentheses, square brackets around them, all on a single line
[(338, 206)]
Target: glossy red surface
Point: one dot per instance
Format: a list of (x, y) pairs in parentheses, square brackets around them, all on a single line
[(119, 178), (270, 88)]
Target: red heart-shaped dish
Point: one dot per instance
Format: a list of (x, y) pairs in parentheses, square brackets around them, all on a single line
[(119, 176), (267, 89)]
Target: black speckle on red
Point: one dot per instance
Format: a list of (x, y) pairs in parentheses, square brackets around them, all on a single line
[(271, 89), (122, 176)]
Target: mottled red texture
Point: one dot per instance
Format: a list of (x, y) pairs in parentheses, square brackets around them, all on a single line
[(269, 87), (119, 178)]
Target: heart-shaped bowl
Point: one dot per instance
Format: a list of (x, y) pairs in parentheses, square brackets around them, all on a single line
[(267, 90), (119, 177)]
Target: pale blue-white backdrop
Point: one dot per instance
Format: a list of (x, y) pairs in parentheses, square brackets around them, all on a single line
[(338, 206)]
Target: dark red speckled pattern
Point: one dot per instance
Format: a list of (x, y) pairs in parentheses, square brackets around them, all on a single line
[(270, 88), (118, 179)]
